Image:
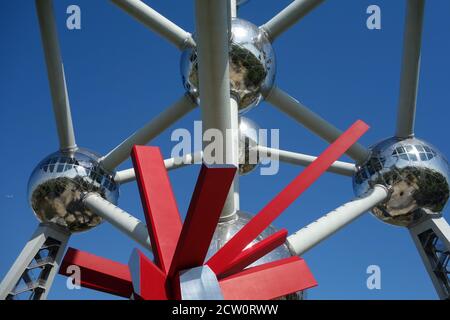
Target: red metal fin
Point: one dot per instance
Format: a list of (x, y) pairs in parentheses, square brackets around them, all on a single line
[(99, 273), (158, 201), (286, 197), (211, 190), (252, 254), (269, 281), (149, 282)]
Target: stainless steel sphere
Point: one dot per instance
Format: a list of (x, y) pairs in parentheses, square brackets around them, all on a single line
[(56, 186), (252, 65), (417, 174), (226, 230), (248, 144)]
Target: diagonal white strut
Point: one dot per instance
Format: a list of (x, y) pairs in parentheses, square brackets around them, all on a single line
[(312, 121), (219, 110), (156, 22), (410, 68), (152, 129), (128, 175), (288, 17), (338, 167), (56, 77), (314, 233), (123, 221)]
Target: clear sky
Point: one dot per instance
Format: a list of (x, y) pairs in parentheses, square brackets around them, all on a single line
[(120, 75)]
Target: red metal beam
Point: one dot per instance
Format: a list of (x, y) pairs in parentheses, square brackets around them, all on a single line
[(269, 281), (252, 254), (285, 198), (211, 190), (158, 201), (99, 273), (149, 282)]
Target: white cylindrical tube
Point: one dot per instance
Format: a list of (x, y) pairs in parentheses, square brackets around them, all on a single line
[(152, 129), (219, 110), (319, 230), (155, 21), (410, 68), (313, 122), (339, 167), (289, 16), (123, 221), (128, 175), (56, 76)]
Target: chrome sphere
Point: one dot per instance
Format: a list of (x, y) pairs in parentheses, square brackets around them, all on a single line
[(415, 171), (248, 144), (57, 184), (226, 230), (252, 65)]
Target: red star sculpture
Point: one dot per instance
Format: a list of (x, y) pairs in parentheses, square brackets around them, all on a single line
[(181, 246)]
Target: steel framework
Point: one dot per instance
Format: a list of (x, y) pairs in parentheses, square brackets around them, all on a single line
[(179, 269)]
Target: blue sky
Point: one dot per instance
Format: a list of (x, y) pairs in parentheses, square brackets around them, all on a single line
[(120, 75)]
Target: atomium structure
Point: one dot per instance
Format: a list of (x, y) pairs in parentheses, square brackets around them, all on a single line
[(228, 67)]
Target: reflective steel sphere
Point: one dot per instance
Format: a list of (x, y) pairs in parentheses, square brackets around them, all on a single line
[(226, 230), (56, 186), (417, 174), (248, 144), (252, 65)]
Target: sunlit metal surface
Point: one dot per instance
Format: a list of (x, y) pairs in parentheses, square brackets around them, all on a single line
[(57, 184), (200, 284), (226, 230), (417, 174), (252, 65), (248, 145)]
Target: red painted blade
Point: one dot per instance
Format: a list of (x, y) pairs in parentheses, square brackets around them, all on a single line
[(158, 201), (285, 198), (269, 281), (149, 282), (99, 273), (252, 254), (211, 190)]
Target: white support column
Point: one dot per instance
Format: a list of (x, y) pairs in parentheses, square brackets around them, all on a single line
[(128, 175), (311, 235), (123, 221), (287, 104), (56, 76), (409, 82), (338, 167), (156, 22), (233, 199), (50, 238), (219, 110), (432, 240), (152, 129)]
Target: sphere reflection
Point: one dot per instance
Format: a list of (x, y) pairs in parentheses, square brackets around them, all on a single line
[(252, 65), (417, 174), (57, 184)]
